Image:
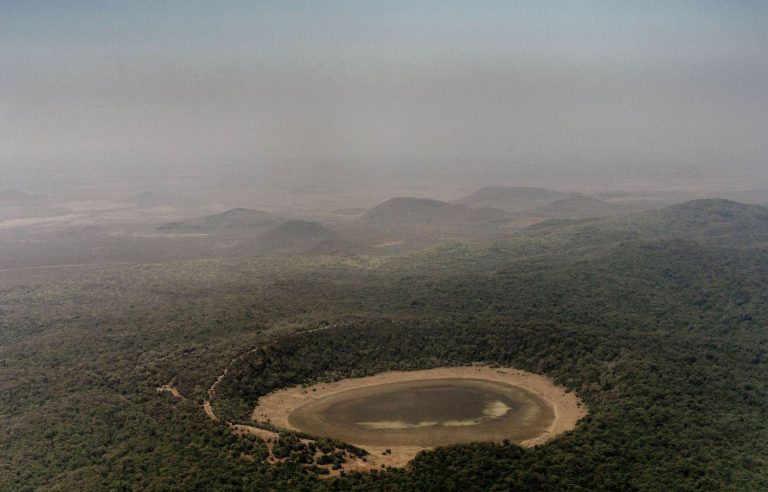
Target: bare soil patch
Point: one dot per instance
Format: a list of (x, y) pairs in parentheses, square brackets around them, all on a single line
[(560, 412), (389, 244), (168, 388)]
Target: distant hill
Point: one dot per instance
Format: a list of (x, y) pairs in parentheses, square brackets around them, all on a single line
[(402, 211), (302, 237), (584, 207), (413, 223), (17, 198), (231, 220), (511, 199), (709, 220), (713, 221)]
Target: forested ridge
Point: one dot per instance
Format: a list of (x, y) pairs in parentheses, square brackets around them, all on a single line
[(661, 333)]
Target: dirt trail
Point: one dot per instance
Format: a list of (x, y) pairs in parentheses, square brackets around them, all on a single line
[(269, 437), (275, 407), (170, 389), (376, 460), (207, 407)]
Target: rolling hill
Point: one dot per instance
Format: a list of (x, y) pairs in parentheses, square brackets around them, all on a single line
[(301, 237), (709, 221), (420, 222), (511, 199), (236, 219), (424, 211), (585, 206)]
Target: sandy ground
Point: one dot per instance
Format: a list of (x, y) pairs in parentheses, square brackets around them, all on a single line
[(208, 409), (387, 244), (170, 389), (567, 407)]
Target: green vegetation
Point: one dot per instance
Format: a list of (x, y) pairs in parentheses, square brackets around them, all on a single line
[(658, 323)]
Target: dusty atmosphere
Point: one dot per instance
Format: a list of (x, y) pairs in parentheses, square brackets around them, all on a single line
[(204, 204)]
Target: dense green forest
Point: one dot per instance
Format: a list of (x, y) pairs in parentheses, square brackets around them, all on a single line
[(658, 323)]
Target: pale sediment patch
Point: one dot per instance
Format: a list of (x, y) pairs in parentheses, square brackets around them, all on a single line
[(389, 244), (492, 411), (566, 407), (496, 409), (396, 424)]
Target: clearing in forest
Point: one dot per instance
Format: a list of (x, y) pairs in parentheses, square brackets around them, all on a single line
[(394, 415)]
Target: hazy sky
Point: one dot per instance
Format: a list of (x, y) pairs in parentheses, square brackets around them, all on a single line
[(530, 89)]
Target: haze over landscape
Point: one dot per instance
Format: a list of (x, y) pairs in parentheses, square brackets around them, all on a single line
[(527, 93), (396, 245)]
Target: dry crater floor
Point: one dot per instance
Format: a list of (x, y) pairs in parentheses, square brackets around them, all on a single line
[(407, 412)]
